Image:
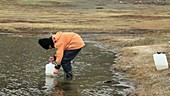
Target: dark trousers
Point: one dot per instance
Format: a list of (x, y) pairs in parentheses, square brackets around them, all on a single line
[(67, 57)]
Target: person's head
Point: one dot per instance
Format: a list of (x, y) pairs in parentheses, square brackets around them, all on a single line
[(46, 43)]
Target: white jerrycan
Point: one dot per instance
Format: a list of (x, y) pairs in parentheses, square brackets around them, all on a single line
[(49, 69), (160, 60)]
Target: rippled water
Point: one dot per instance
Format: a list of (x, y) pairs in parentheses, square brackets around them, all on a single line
[(23, 62)]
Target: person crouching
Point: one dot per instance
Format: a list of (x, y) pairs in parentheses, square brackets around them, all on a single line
[(68, 45)]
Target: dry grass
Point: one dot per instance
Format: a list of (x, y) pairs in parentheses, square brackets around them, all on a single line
[(138, 62), (38, 16)]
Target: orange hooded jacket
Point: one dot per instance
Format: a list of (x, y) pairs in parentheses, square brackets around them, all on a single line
[(66, 41)]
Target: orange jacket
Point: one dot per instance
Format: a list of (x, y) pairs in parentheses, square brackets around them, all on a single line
[(66, 41)]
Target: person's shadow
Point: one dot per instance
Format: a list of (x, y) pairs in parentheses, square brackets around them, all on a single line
[(57, 88)]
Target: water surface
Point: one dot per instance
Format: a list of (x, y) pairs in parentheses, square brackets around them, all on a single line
[(23, 63)]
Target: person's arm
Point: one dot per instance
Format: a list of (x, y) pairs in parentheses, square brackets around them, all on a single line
[(59, 56)]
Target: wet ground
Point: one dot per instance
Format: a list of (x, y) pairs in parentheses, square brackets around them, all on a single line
[(23, 65)]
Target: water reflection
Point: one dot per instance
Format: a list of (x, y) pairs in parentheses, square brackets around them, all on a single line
[(50, 82), (57, 87)]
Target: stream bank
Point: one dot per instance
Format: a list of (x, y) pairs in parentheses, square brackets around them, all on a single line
[(135, 59)]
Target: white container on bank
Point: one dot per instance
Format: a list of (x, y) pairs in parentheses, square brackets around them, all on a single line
[(160, 60), (49, 69)]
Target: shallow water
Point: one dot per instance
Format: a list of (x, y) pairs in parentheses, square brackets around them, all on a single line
[(23, 62)]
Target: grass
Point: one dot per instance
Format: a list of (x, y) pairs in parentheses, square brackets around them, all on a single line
[(38, 16)]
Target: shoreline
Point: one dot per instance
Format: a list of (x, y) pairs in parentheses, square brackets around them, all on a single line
[(136, 61)]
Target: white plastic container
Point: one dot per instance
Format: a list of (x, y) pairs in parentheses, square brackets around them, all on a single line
[(49, 68), (160, 60)]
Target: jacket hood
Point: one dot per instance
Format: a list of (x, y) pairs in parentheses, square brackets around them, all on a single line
[(56, 37)]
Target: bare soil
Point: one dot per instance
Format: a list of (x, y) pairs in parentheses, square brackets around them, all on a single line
[(133, 29)]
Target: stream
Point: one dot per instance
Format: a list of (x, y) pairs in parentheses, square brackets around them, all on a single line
[(23, 63)]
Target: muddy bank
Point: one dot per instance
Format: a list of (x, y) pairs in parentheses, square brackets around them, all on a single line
[(135, 58)]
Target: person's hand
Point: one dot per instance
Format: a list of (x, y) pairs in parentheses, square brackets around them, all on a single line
[(55, 71), (51, 59), (57, 66)]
